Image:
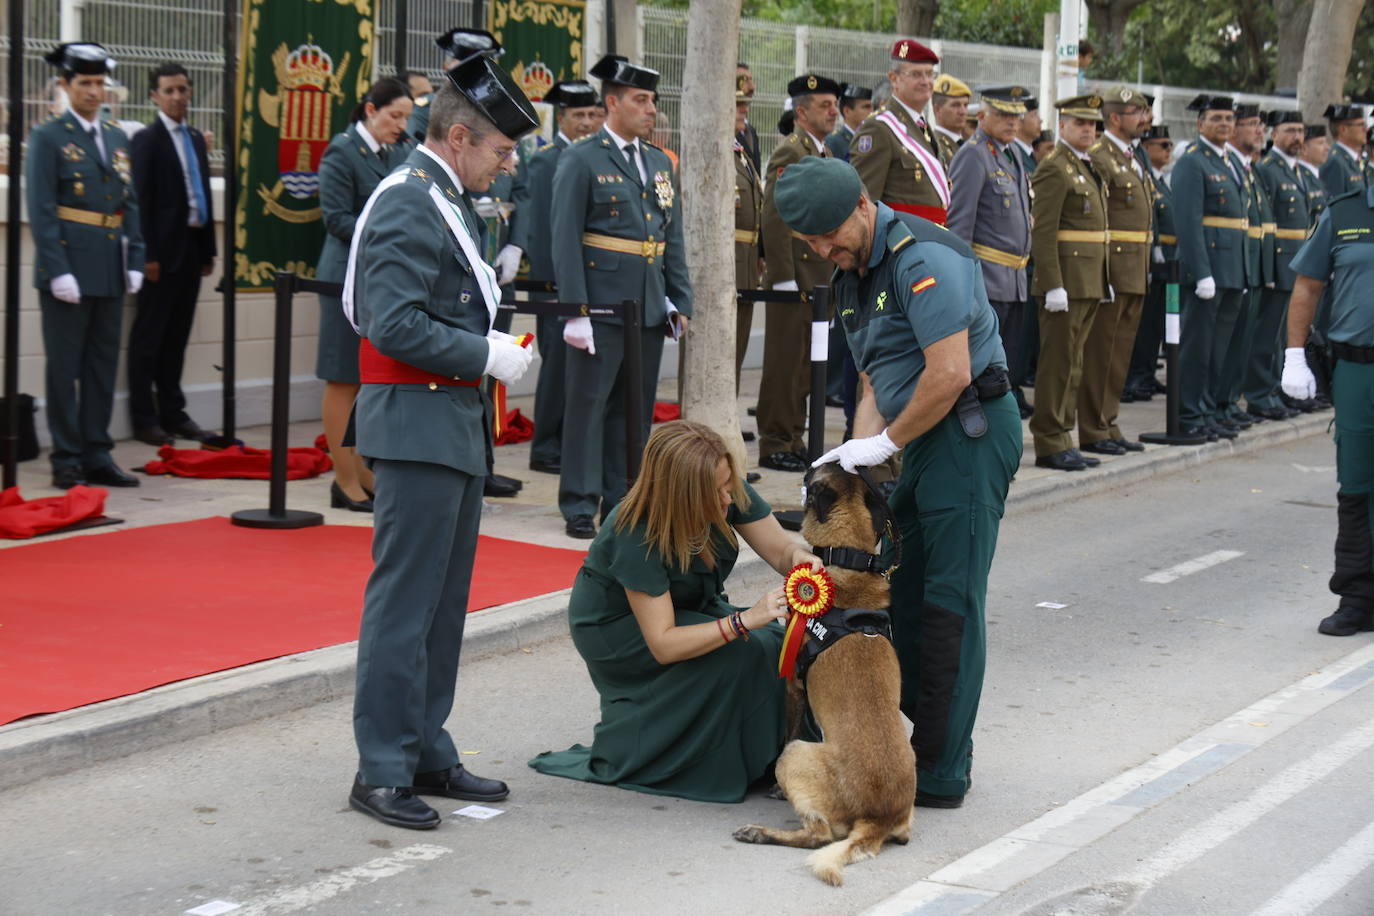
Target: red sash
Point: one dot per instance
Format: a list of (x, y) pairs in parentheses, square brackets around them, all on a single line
[(934, 214), (375, 368)]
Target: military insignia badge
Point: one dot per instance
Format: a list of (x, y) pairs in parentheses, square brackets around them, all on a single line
[(923, 285), (865, 143), (73, 153), (811, 82), (663, 187), (121, 166), (465, 297)]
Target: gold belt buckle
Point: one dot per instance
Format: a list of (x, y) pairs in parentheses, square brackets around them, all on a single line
[(646, 249)]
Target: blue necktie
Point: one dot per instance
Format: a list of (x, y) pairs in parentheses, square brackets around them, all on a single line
[(193, 174)]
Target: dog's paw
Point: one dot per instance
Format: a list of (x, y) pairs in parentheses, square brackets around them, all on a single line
[(752, 833), (777, 792)]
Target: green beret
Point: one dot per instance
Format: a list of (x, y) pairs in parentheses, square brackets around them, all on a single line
[(814, 196)]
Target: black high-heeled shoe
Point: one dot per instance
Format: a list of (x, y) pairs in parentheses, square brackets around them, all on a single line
[(338, 499)]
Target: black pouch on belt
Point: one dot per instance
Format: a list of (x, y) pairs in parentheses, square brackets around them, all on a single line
[(992, 382), (969, 410)]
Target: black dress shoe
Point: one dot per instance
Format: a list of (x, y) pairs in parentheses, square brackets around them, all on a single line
[(496, 485), (1103, 447), (580, 526), (1347, 621), (111, 476), (546, 467), (1127, 396), (1196, 431), (931, 800), (752, 477), (155, 436), (783, 461), (1026, 410), (748, 436), (1129, 446), (1221, 432), (189, 429), (394, 805), (66, 478), (338, 499), (1061, 461), (457, 782), (1226, 423), (1089, 460), (1145, 392), (832, 401), (1241, 421)]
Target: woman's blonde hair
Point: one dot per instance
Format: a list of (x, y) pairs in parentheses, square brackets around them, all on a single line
[(675, 496)]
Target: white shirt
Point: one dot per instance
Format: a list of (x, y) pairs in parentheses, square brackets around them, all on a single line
[(1025, 147), (1310, 167), (949, 133), (620, 143), (1126, 148), (370, 140), (820, 144), (565, 138), (1084, 156), (193, 215), (88, 126), (452, 175)]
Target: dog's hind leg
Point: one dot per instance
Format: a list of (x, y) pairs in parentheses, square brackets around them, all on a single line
[(813, 834), (803, 775), (902, 835), (863, 842)]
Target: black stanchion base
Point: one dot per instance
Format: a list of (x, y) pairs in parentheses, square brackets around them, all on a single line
[(791, 520), (264, 518), (1166, 439)]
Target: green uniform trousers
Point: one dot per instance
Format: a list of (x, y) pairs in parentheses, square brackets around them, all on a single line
[(1106, 360), (1264, 368), (1202, 323), (786, 381), (594, 468), (81, 342), (1352, 388), (948, 503), (424, 538), (1237, 356), (1058, 374), (547, 445)]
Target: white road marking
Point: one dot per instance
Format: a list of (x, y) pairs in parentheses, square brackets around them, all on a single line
[(291, 899), (1321, 883), (1317, 469), (1173, 573)]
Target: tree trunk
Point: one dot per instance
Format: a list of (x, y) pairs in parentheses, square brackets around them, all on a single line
[(1291, 18), (1326, 55), (1107, 22), (916, 18), (708, 122)]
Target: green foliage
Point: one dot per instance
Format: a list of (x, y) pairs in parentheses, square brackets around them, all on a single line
[(995, 22)]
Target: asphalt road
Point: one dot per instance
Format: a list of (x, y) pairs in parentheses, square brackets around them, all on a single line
[(1176, 738)]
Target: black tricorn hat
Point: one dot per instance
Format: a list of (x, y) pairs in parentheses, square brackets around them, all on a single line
[(854, 91), (1343, 113), (1246, 110), (571, 94), (85, 57), (1208, 102), (809, 83), (492, 90), (1313, 131), (1275, 118), (1155, 132), (460, 44), (617, 69)]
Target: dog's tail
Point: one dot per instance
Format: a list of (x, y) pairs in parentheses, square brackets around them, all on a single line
[(863, 842)]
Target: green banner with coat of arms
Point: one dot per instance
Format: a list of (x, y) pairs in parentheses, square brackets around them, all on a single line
[(305, 65), (543, 41)]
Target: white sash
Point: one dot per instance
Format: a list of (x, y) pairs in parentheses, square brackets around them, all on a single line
[(453, 217), (929, 160)]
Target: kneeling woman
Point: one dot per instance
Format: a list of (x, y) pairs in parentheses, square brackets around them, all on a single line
[(691, 701)]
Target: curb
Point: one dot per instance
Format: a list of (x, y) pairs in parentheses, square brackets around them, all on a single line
[(63, 742)]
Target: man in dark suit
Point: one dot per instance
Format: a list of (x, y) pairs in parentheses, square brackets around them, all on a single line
[(748, 137), (172, 180)]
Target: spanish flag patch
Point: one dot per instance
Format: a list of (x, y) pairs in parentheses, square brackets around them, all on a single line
[(921, 286)]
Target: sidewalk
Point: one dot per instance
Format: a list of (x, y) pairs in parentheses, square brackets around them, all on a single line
[(62, 742)]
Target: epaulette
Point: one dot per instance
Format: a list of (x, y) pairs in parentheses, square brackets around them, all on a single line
[(1358, 192), (422, 101), (792, 138), (652, 145), (1097, 145), (581, 140)]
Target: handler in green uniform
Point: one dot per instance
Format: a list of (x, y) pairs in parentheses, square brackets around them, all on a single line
[(935, 386), (424, 301), (1342, 248), (617, 235), (691, 701), (88, 252)]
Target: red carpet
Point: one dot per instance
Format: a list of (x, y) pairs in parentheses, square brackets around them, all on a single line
[(90, 618)]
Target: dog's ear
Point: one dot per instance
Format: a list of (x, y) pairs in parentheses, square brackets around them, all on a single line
[(820, 499), (878, 511)]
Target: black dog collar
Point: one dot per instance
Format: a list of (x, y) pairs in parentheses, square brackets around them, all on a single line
[(850, 558)]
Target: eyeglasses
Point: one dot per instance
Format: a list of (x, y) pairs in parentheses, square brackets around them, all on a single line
[(500, 156)]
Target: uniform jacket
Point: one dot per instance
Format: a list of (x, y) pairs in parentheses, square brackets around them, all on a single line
[(789, 258), (417, 301), (596, 191), (889, 171), (1341, 173), (1130, 209), (838, 142), (1068, 197), (1284, 189), (1166, 236), (533, 231), (499, 208), (989, 207), (64, 169), (1316, 194), (1204, 186), (1259, 237), (947, 147), (749, 139), (418, 125), (349, 172), (748, 220), (163, 208)]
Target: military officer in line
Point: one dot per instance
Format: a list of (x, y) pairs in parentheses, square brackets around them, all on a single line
[(935, 386), (949, 102), (856, 104), (1141, 384), (1069, 247), (88, 254), (1028, 348), (1027, 132), (748, 225), (423, 301), (989, 208), (1130, 222), (1284, 186), (895, 152), (747, 136), (1316, 149), (1344, 170), (790, 264), (617, 235), (574, 105)]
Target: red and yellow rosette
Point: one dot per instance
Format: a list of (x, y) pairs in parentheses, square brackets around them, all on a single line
[(809, 594)]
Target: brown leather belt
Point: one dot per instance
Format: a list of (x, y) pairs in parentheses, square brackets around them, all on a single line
[(1004, 258), (91, 218)]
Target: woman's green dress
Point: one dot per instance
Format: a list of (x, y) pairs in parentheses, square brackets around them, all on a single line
[(701, 729)]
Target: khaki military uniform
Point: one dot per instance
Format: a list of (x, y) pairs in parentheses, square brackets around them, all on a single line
[(947, 146), (748, 233), (891, 172)]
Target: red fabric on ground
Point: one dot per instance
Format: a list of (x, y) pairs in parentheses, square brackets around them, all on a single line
[(665, 411), (516, 428), (89, 618), (26, 518), (238, 461)]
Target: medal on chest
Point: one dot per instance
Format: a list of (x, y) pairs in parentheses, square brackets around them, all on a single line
[(663, 189)]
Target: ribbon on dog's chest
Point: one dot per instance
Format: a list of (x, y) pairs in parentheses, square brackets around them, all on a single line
[(810, 594)]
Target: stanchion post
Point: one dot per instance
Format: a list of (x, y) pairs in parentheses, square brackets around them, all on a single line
[(633, 378), (820, 361), (1173, 431)]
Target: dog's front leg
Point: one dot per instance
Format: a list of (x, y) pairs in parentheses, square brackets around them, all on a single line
[(814, 833)]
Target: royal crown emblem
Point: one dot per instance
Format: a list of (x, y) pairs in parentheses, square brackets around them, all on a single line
[(536, 79), (309, 86)]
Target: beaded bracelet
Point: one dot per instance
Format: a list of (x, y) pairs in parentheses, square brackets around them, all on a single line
[(738, 624)]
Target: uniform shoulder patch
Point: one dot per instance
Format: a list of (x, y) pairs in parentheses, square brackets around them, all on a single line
[(921, 286), (865, 143)]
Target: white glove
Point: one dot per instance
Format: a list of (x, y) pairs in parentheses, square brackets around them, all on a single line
[(135, 281), (577, 332), (1206, 288), (789, 287), (506, 362), (1158, 254), (1057, 300), (494, 334), (1298, 382), (860, 453), (66, 288), (507, 264)]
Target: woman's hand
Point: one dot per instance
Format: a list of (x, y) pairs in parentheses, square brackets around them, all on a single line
[(772, 606), (801, 553)]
